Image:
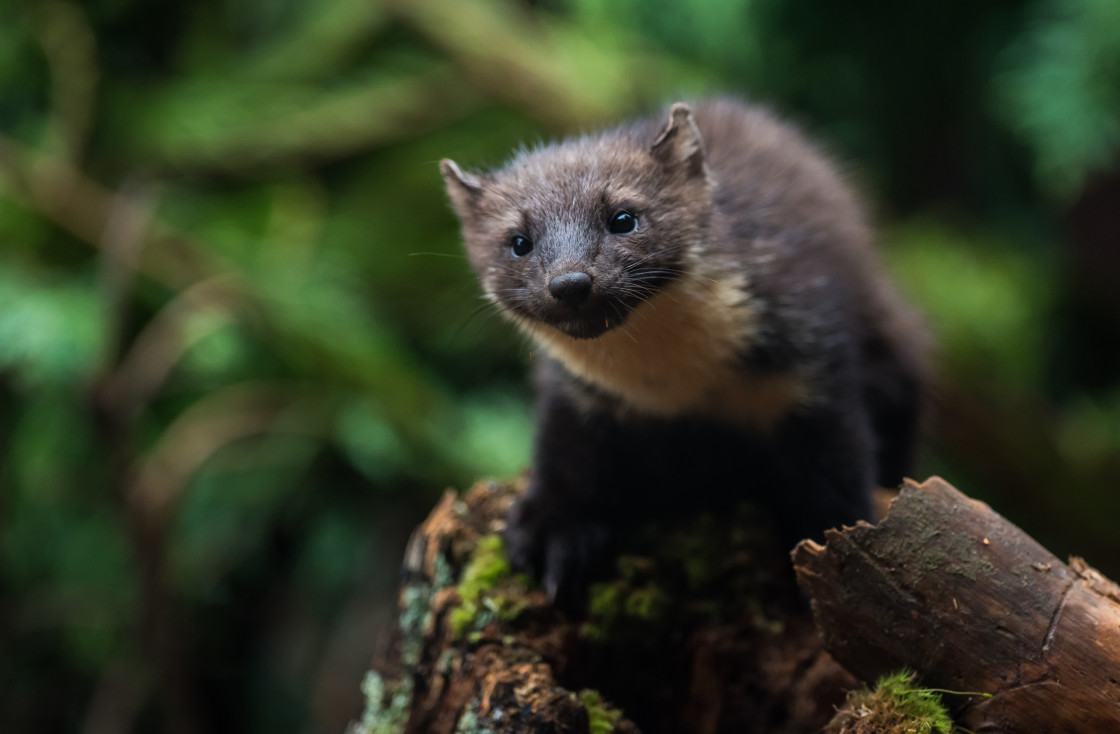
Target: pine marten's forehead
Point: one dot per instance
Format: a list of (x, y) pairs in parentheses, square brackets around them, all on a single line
[(586, 169), (583, 160)]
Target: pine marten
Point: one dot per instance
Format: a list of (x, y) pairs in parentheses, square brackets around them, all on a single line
[(712, 321)]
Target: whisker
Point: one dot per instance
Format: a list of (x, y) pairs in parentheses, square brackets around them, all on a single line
[(487, 306), (622, 323), (455, 255)]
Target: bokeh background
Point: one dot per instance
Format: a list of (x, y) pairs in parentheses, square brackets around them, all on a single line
[(241, 354)]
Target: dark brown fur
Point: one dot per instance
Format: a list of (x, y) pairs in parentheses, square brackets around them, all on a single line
[(741, 341)]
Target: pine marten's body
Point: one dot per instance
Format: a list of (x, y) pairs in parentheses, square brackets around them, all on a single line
[(714, 323)]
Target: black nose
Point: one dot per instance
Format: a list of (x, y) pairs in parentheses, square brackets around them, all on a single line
[(571, 289)]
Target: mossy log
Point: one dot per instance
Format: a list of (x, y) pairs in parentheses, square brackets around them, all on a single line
[(699, 628), (947, 587)]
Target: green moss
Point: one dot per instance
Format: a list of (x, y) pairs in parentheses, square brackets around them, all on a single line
[(604, 604), (634, 567), (764, 623), (612, 603), (601, 717), (698, 548), (921, 704), (387, 705), (604, 601), (445, 575), (416, 613), (647, 603), (479, 603), (896, 705), (712, 558), (468, 722)]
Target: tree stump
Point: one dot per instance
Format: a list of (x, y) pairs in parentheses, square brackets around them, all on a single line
[(700, 628), (947, 587)]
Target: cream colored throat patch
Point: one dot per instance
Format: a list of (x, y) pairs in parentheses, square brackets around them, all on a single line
[(678, 353)]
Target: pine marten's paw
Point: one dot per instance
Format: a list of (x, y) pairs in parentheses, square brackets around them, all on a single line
[(562, 552)]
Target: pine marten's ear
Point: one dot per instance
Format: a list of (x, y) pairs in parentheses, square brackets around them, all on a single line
[(465, 189), (679, 144)]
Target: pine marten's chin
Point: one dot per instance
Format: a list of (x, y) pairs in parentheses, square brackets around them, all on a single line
[(585, 327), (587, 321)]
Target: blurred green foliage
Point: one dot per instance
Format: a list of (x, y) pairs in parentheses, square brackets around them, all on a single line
[(241, 352)]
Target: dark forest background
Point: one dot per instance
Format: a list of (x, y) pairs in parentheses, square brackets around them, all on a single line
[(239, 350)]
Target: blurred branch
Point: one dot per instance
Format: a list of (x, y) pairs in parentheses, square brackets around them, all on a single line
[(319, 45), (562, 76), (246, 126), (122, 243), (373, 358), (159, 479), (76, 203), (162, 342), (121, 690), (70, 48)]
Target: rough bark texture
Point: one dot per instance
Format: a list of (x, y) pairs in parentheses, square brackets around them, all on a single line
[(701, 629), (949, 588)]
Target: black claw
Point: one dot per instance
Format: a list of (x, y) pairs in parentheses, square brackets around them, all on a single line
[(562, 553)]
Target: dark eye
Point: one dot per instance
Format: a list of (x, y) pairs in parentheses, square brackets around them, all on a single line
[(520, 247), (622, 223)]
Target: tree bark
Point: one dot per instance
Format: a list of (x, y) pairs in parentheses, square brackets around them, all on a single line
[(949, 588), (698, 628)]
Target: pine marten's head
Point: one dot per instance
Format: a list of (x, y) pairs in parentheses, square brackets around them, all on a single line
[(575, 235)]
